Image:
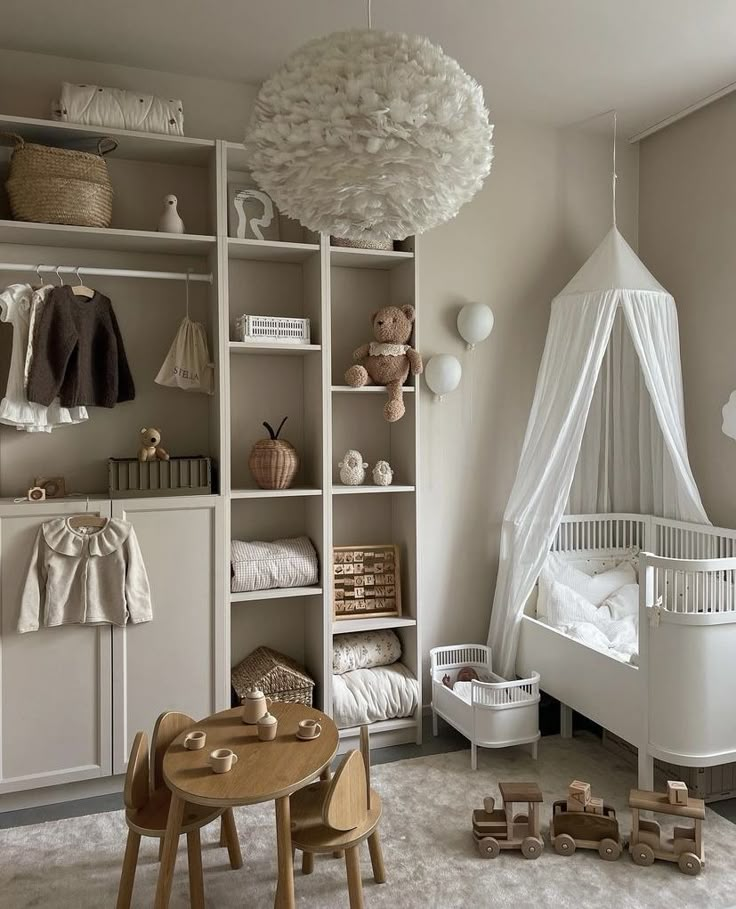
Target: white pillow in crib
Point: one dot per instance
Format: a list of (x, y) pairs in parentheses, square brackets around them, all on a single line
[(624, 602), (565, 606), (593, 588)]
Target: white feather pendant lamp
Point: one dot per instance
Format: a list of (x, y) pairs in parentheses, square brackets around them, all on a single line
[(367, 133)]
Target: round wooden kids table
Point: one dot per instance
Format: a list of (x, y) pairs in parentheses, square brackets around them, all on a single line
[(265, 771)]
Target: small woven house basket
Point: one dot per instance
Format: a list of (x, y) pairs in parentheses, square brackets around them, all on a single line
[(277, 675), (58, 185)]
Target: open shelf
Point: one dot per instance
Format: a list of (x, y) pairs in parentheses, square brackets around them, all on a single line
[(407, 722), (366, 389), (273, 347), (362, 490), (134, 145), (27, 233), (368, 258), (292, 492), (346, 626), (279, 593), (270, 250)]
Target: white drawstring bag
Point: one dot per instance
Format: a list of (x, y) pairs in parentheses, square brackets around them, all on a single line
[(187, 364)]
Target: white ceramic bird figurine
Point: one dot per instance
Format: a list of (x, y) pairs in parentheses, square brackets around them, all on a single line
[(382, 474), (170, 222), (352, 468)]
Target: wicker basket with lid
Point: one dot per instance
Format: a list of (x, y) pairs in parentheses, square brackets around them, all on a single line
[(276, 674)]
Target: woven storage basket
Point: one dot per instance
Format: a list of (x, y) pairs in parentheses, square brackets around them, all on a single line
[(273, 463), (366, 243), (60, 186), (277, 675)]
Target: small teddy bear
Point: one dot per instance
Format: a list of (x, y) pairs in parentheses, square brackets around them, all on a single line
[(150, 446), (389, 359), (352, 468), (382, 473)]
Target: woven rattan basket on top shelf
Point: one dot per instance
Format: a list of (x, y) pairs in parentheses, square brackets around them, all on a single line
[(277, 675)]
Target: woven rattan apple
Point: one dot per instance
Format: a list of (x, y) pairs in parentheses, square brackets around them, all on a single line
[(273, 461)]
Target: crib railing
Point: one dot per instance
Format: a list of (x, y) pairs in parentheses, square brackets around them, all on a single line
[(459, 655), (505, 694), (601, 531), (691, 587)]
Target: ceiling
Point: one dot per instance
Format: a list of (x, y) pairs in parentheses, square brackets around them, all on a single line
[(552, 61)]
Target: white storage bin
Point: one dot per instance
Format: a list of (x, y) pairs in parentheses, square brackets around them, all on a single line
[(273, 328), (498, 713)]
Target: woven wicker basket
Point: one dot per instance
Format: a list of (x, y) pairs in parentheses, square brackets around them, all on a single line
[(277, 675), (366, 243), (273, 463), (60, 186)]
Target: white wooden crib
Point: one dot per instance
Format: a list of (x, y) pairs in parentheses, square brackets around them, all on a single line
[(677, 704)]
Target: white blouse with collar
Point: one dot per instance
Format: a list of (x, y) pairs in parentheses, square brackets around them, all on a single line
[(85, 578)]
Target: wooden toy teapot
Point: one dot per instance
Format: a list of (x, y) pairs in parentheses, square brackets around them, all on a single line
[(255, 705)]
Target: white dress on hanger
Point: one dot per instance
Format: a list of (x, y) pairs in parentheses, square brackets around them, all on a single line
[(16, 305)]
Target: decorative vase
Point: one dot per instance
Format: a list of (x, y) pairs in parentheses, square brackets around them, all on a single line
[(273, 463)]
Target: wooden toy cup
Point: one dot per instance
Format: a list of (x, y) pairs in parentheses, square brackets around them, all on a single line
[(222, 760), (309, 729), (195, 740)]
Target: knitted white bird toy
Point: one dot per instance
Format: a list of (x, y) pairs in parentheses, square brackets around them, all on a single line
[(352, 468)]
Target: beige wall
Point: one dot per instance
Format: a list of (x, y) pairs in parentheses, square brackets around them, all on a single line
[(212, 108), (545, 207), (687, 230)]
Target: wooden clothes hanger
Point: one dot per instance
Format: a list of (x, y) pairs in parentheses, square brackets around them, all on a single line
[(87, 520), (81, 289)]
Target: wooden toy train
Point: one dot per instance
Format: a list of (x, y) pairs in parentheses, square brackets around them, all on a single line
[(583, 822)]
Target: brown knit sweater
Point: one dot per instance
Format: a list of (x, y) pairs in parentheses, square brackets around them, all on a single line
[(78, 353)]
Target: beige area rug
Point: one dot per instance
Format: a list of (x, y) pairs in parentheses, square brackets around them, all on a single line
[(431, 859)]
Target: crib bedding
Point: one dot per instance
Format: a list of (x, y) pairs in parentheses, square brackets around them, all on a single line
[(599, 610), (371, 695)]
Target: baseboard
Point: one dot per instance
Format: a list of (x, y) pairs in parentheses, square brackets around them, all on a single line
[(53, 795)]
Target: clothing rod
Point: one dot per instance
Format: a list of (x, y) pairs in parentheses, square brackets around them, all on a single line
[(108, 272)]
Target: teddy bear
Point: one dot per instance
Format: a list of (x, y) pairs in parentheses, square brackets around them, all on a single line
[(389, 359), (150, 446)]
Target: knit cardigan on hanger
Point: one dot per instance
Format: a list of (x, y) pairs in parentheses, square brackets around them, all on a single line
[(78, 353), (85, 578)]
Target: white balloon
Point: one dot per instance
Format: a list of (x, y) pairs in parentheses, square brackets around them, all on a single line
[(475, 323), (443, 373)]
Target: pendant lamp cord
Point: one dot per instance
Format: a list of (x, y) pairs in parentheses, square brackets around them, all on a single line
[(614, 175), (368, 13)]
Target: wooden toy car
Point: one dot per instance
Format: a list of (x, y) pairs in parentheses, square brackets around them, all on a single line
[(571, 830), (686, 845), (495, 829)]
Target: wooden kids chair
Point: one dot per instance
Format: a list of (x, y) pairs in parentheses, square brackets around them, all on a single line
[(147, 799), (336, 815)]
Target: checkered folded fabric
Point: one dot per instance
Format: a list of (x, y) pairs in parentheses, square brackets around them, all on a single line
[(264, 566)]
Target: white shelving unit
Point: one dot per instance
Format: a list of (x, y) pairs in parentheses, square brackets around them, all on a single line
[(300, 275)]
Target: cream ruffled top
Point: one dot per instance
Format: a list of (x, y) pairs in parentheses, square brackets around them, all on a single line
[(85, 577)]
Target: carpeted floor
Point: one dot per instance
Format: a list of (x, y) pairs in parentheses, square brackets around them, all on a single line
[(430, 856)]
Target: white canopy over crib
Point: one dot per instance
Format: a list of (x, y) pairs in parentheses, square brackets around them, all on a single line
[(606, 430)]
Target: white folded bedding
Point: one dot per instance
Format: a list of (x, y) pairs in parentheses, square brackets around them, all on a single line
[(370, 695)]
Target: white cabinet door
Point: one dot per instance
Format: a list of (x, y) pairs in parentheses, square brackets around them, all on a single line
[(55, 683), (169, 663)]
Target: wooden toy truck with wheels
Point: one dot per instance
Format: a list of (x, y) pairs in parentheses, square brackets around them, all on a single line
[(571, 830), (686, 845), (495, 829)]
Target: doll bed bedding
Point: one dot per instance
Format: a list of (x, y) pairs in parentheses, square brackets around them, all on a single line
[(593, 599)]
